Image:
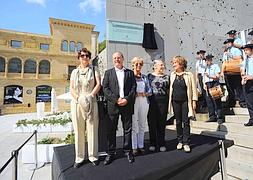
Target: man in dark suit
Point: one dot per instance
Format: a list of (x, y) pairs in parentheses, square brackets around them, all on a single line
[(119, 88)]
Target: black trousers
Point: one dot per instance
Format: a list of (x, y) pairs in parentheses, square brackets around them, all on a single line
[(126, 119), (202, 98), (157, 114), (180, 109), (214, 105), (235, 92), (248, 89)]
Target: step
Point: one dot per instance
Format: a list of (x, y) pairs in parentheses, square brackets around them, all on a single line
[(239, 169), (239, 119), (241, 154), (239, 139), (240, 111), (201, 117), (225, 127)]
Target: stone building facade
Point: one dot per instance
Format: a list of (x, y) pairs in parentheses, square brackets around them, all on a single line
[(32, 64)]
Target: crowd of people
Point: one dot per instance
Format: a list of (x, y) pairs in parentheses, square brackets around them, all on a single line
[(138, 99)]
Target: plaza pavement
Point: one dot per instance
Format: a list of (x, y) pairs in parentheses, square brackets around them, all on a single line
[(10, 141)]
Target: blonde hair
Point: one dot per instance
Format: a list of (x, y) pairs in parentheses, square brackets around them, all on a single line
[(181, 61), (135, 60)]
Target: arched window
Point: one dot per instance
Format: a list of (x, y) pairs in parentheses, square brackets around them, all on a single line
[(64, 46), (14, 65), (44, 67), (72, 46), (79, 46), (30, 66), (2, 64)]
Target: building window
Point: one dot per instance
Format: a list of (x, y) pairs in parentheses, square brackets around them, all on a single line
[(44, 67), (64, 46), (16, 44), (30, 66), (70, 69), (2, 64), (14, 65), (72, 45), (44, 47), (79, 46)]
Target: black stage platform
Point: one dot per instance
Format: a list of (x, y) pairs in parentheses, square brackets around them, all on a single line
[(200, 164)]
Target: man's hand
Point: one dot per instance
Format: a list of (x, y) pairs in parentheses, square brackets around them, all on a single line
[(122, 102)]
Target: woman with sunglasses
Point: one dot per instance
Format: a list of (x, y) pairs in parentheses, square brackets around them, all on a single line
[(139, 123), (158, 107), (84, 85)]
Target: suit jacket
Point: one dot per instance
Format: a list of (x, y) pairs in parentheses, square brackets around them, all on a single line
[(111, 90)]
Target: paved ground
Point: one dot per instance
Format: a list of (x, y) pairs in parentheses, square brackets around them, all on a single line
[(10, 141)]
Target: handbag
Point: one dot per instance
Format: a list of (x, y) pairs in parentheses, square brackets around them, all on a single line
[(101, 100), (232, 66), (216, 92)]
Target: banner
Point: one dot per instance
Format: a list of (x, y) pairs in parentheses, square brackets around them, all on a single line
[(13, 94), (43, 93)]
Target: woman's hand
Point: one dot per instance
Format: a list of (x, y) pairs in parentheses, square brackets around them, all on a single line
[(194, 106)]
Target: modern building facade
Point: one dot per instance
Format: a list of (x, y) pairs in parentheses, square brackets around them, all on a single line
[(32, 64)]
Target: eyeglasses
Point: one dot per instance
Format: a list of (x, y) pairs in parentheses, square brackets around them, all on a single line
[(138, 64), (84, 55)]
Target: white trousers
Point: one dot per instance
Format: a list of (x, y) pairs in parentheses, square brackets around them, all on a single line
[(85, 127), (139, 122)]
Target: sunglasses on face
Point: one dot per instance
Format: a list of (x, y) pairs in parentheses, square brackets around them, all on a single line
[(138, 64), (84, 55)]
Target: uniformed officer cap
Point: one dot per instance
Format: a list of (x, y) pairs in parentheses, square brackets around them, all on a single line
[(247, 46), (209, 56), (228, 41), (231, 32), (250, 33), (202, 51)]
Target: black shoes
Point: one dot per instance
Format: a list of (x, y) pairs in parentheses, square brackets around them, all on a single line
[(77, 165), (95, 163), (211, 120), (243, 105), (130, 157), (220, 121), (108, 159), (250, 123)]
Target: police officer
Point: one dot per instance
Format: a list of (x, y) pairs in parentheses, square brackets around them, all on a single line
[(233, 80), (200, 68), (237, 41), (247, 80), (211, 79)]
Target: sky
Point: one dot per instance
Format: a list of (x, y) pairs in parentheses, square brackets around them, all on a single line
[(33, 15)]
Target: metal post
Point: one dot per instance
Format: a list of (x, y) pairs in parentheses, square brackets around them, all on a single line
[(36, 164), (223, 161), (15, 165)]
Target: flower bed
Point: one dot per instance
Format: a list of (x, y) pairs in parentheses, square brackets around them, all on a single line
[(53, 123)]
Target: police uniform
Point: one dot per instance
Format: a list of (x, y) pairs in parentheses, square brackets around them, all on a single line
[(237, 40), (200, 69), (247, 66), (214, 105), (233, 80)]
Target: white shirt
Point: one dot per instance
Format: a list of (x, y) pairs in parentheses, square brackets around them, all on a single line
[(200, 66), (120, 76)]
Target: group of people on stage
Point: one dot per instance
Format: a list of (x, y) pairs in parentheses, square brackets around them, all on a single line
[(139, 99), (233, 70)]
